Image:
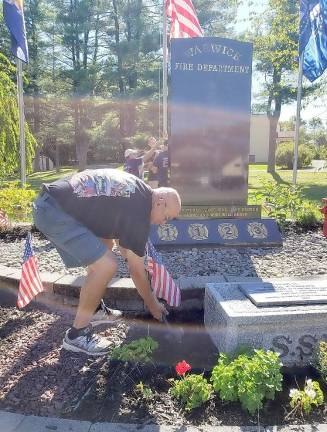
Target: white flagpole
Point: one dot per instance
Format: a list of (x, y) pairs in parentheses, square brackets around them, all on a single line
[(19, 64), (298, 118), (164, 76)]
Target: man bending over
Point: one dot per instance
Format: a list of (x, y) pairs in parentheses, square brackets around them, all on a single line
[(81, 215)]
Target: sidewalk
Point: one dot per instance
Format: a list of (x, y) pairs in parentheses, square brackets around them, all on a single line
[(10, 422)]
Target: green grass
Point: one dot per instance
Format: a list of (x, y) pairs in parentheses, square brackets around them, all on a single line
[(314, 183), (35, 180)]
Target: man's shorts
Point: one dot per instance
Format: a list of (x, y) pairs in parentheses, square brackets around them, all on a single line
[(75, 243)]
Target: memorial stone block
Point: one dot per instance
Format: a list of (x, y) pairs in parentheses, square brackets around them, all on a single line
[(233, 319), (210, 106)]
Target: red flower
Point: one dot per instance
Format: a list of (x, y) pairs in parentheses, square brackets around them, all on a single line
[(182, 367)]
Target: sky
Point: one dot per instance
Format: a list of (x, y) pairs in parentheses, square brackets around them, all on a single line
[(316, 108)]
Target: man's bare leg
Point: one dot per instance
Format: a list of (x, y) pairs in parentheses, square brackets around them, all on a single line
[(98, 275)]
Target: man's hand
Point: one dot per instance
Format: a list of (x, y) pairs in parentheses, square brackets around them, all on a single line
[(140, 278), (157, 310)]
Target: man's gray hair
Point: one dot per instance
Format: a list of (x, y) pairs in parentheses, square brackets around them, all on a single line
[(171, 192)]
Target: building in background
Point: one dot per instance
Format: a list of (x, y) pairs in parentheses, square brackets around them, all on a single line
[(259, 138)]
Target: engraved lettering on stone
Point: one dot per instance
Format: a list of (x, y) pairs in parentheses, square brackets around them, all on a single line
[(198, 231), (281, 344), (167, 232), (257, 230), (228, 231), (306, 345)]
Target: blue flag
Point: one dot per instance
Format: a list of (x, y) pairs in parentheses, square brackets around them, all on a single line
[(13, 14), (313, 37)]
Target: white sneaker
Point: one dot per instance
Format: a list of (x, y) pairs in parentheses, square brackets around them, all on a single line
[(88, 343), (106, 316)]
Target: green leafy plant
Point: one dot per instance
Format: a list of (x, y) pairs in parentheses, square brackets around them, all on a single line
[(303, 401), (16, 202), (282, 201), (321, 360), (143, 390), (285, 155), (137, 351), (308, 216), (249, 378), (193, 390)]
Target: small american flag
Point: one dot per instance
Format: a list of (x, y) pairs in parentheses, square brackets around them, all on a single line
[(184, 22), (30, 283), (162, 283), (4, 221)]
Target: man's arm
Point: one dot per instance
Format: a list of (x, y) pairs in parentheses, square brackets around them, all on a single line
[(142, 284), (153, 147)]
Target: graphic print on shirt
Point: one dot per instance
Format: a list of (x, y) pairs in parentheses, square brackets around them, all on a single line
[(87, 184)]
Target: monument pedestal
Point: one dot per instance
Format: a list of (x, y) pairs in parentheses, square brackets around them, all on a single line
[(218, 232), (290, 318)]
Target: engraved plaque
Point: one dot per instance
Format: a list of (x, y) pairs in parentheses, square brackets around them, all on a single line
[(284, 294), (226, 211)]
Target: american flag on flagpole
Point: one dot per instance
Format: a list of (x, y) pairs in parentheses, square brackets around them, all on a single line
[(162, 283), (4, 221), (184, 22), (30, 283)]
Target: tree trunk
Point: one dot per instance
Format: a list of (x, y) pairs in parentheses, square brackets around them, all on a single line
[(57, 157), (272, 144)]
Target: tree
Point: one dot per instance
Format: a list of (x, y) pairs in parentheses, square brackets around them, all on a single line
[(275, 48), (9, 124)]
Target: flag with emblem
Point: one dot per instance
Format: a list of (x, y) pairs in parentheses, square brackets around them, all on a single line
[(13, 13), (184, 21), (30, 283), (313, 37), (162, 283)]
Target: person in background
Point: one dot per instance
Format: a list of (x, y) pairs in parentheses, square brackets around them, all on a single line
[(152, 172), (134, 163), (162, 163)]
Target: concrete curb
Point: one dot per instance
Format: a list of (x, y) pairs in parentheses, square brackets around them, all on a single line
[(11, 422), (121, 292)]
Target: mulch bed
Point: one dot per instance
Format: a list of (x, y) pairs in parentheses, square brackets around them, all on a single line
[(37, 377)]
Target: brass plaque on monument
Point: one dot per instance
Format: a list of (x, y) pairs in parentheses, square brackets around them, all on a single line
[(221, 212)]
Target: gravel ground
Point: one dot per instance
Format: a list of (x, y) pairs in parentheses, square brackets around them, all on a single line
[(303, 254)]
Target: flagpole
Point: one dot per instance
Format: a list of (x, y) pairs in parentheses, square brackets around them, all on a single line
[(298, 118), (164, 76), (19, 64)]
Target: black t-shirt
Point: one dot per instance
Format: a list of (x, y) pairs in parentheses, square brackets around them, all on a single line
[(113, 204)]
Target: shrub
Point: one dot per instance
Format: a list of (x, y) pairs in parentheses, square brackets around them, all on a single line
[(144, 391), (137, 351), (322, 152), (282, 201), (248, 378), (302, 401), (321, 360), (16, 201), (285, 154), (193, 390), (305, 156), (308, 216)]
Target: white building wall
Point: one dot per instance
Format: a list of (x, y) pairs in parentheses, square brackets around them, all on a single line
[(259, 138)]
